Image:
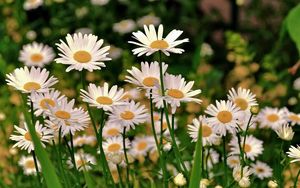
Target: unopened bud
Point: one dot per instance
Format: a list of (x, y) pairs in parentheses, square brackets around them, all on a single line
[(254, 110)]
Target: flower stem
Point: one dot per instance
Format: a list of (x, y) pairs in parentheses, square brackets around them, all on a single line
[(120, 177), (125, 154), (244, 141), (225, 160), (296, 180), (36, 168)]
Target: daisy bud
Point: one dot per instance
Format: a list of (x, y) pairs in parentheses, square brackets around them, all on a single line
[(218, 186), (254, 110), (179, 180), (285, 132), (272, 184), (244, 182), (115, 158), (167, 146), (204, 183)]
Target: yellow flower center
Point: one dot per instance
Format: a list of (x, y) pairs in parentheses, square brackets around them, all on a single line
[(127, 96), (113, 132), (27, 136), (114, 147), (82, 56), (80, 162), (104, 100), (206, 131), (150, 81), (294, 117), (36, 57), (224, 116), (44, 103), (272, 117), (260, 170), (29, 164), (247, 148), (156, 117), (159, 44), (142, 145), (234, 161), (241, 103), (127, 115), (31, 86), (164, 126), (62, 114), (175, 93)]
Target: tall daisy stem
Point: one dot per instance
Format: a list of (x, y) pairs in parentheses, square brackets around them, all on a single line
[(176, 149), (158, 145), (225, 160), (36, 168), (244, 140), (120, 177), (125, 154), (296, 180)]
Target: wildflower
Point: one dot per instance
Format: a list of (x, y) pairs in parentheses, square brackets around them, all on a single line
[(124, 26), (272, 184), (36, 54), (83, 161), (179, 180), (237, 173), (233, 161), (115, 145), (28, 165), (148, 20), (204, 183), (151, 42), (271, 117), (285, 132), (29, 4), (141, 145), (261, 170), (244, 182), (111, 129), (294, 153), (82, 52), (242, 98)]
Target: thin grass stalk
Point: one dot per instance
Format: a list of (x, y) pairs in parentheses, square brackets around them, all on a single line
[(120, 177), (225, 160), (296, 180), (197, 172), (125, 154), (36, 168)]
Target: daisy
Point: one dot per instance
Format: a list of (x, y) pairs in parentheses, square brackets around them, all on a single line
[(111, 129), (253, 147), (80, 141), (124, 26), (36, 54), (83, 161), (115, 145), (27, 163), (212, 157), (271, 117), (242, 98), (141, 145), (103, 97), (35, 79), (67, 118), (82, 52), (42, 101), (129, 115), (32, 4), (294, 153), (164, 126), (208, 135), (285, 132), (177, 91), (225, 116), (237, 172), (261, 170), (233, 161), (24, 140), (148, 76), (151, 42), (148, 20), (131, 94), (293, 118)]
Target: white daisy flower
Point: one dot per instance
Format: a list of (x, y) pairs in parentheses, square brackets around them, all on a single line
[(148, 20), (80, 141), (131, 94), (253, 146), (151, 42), (271, 117), (115, 52), (111, 129), (82, 52), (115, 145), (148, 76), (36, 54), (24, 140), (293, 118), (103, 97), (35, 79), (177, 91), (27, 163), (83, 161), (99, 2), (129, 115), (67, 118), (261, 170), (225, 116), (242, 98), (285, 132), (208, 135), (294, 153), (32, 4), (237, 172), (42, 101), (212, 157), (141, 145), (233, 161), (124, 26), (164, 126), (54, 127)]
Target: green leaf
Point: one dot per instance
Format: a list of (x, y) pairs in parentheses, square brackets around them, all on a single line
[(293, 25), (47, 166), (196, 175), (88, 179)]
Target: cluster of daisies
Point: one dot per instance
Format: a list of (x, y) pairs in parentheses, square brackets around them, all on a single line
[(56, 117)]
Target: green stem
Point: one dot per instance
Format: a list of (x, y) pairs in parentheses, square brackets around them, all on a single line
[(296, 180), (244, 141), (241, 153), (125, 154), (36, 168), (120, 177), (225, 160)]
